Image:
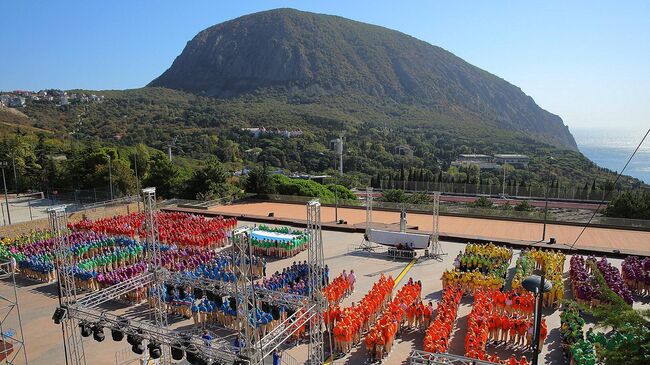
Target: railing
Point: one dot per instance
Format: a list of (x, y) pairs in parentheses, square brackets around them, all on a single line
[(534, 215), (536, 191)]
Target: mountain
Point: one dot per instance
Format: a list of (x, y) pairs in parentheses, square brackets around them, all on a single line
[(288, 53)]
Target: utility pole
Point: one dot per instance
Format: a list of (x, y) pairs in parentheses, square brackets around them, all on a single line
[(3, 165), (550, 161), (13, 158), (503, 190), (137, 179), (110, 176)]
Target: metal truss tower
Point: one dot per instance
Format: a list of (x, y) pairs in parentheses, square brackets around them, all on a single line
[(436, 248), (429, 358), (368, 211), (245, 295), (10, 316), (154, 262), (316, 261), (72, 341)]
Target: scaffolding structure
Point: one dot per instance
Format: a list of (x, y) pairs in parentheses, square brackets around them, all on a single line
[(435, 250), (245, 295), (418, 357), (153, 254), (72, 342), (316, 263), (12, 346), (308, 309)]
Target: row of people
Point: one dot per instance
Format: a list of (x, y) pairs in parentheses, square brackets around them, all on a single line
[(484, 325), (471, 281), (552, 262), (438, 334), (405, 304), (636, 274), (348, 324), (614, 280), (584, 286), (338, 289), (574, 346)]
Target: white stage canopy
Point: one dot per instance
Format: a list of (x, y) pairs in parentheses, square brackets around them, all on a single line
[(390, 238)]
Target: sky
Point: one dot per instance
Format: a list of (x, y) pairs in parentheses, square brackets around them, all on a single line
[(586, 61)]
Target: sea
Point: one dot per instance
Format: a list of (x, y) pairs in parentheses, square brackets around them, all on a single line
[(612, 148)]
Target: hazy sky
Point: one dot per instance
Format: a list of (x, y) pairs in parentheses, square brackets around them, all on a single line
[(587, 61)]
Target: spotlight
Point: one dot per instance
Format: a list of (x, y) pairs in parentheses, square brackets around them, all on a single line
[(552, 241), (116, 333), (154, 350), (191, 354), (138, 348), (86, 331), (59, 313), (98, 332), (177, 351)]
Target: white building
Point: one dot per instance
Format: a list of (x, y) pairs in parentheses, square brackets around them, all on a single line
[(516, 160)]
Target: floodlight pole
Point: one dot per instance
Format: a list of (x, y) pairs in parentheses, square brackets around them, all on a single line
[(538, 316), (3, 164), (551, 160)]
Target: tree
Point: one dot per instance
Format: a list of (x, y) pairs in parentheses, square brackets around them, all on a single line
[(259, 181), (164, 176), (630, 204), (393, 196), (210, 182)]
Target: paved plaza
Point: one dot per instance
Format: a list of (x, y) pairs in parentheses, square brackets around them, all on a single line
[(605, 239), (43, 337)]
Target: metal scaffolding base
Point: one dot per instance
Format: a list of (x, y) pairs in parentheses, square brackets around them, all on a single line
[(12, 346)]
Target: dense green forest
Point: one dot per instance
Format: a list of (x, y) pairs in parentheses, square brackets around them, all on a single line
[(205, 127)]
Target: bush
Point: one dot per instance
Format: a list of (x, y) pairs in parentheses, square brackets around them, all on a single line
[(523, 206), (284, 185), (630, 204), (482, 202), (393, 196)]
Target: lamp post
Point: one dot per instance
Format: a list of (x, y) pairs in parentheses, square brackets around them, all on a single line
[(550, 161), (538, 286), (3, 165)]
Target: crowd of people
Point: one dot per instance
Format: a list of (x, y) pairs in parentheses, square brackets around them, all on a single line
[(614, 280), (552, 262), (290, 244), (348, 323), (438, 334), (179, 229), (574, 346), (636, 274), (480, 266), (405, 306), (585, 286), (485, 324), (338, 289)]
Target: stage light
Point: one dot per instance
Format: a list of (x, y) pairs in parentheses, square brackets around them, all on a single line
[(86, 331), (59, 313), (191, 353), (98, 332), (177, 352), (138, 348), (117, 334), (154, 350), (131, 339)]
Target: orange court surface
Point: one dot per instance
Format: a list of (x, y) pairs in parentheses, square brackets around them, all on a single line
[(605, 239)]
